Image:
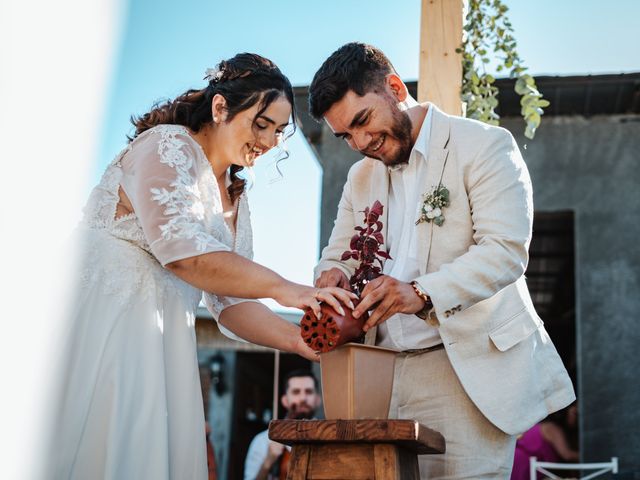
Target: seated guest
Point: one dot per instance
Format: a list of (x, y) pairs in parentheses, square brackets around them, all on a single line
[(548, 441), (267, 459)]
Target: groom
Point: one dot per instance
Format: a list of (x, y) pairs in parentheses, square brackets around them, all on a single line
[(475, 361)]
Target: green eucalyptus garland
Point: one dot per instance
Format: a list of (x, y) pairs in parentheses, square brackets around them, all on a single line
[(489, 32)]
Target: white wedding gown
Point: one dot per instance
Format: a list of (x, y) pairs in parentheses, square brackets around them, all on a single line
[(131, 405)]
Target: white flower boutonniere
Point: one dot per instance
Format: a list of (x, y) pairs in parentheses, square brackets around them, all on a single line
[(433, 203)]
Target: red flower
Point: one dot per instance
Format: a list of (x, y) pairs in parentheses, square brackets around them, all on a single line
[(365, 246)]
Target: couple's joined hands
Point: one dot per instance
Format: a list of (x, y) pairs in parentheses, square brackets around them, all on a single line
[(387, 294), (302, 297)]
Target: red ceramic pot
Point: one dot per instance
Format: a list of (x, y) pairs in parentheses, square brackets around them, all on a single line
[(332, 329)]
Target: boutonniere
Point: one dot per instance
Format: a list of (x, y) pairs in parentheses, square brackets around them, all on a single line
[(433, 203)]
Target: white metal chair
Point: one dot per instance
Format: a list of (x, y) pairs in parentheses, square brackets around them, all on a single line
[(600, 468)]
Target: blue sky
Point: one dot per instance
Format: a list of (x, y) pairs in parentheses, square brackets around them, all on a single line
[(165, 46)]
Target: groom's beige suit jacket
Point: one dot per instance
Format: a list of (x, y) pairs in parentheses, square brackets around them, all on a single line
[(473, 268)]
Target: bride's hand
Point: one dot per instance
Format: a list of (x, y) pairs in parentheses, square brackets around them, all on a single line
[(302, 349), (299, 296)]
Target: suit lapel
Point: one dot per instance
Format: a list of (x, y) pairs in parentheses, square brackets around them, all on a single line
[(436, 161)]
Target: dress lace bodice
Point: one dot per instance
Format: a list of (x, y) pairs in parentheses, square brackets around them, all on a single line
[(178, 211)]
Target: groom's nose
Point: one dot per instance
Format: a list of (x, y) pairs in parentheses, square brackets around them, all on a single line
[(361, 140)]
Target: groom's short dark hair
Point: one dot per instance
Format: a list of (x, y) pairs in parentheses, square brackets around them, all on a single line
[(354, 66)]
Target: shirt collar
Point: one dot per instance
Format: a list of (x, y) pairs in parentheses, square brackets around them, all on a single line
[(422, 142)]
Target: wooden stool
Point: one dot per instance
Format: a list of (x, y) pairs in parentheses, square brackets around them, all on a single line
[(355, 449)]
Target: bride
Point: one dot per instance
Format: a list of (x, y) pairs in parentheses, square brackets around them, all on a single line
[(168, 221)]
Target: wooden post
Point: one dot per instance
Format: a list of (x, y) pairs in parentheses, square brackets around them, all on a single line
[(440, 76), (276, 384)]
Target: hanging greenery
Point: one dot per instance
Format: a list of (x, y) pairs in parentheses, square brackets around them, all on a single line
[(489, 34)]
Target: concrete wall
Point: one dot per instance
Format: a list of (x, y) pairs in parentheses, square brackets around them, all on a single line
[(590, 166)]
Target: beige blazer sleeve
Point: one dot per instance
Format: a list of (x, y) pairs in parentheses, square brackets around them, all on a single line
[(340, 235)]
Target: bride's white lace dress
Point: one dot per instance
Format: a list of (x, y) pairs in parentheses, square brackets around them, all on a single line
[(131, 400)]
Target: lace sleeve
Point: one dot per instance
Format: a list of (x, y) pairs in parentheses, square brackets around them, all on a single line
[(160, 177), (216, 304)]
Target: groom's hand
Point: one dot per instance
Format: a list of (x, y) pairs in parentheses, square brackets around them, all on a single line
[(333, 278), (393, 296)]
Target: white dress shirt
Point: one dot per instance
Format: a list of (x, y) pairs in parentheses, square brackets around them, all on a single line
[(257, 454), (407, 183)]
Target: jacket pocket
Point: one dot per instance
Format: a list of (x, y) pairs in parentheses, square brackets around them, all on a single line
[(516, 329)]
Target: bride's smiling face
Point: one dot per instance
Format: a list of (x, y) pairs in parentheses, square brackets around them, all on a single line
[(246, 136)]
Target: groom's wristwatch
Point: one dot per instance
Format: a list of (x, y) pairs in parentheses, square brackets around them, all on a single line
[(428, 304)]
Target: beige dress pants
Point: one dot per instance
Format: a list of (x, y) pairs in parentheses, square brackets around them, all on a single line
[(427, 389)]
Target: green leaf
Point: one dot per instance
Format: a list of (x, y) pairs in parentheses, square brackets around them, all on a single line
[(521, 87), (530, 132), (532, 91), (439, 220), (490, 30), (526, 100), (533, 117)]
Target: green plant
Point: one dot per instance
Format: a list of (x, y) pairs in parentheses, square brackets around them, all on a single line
[(489, 34)]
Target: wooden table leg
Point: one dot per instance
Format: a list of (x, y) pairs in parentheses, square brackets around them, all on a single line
[(299, 462), (393, 463), (385, 462)]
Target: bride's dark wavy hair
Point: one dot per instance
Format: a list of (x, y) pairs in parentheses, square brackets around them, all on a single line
[(243, 81)]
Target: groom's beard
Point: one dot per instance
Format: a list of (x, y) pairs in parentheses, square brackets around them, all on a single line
[(400, 131), (303, 411)]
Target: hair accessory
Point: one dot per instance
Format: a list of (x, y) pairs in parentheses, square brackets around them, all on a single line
[(212, 74)]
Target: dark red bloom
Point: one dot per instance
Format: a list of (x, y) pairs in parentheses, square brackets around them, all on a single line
[(365, 246)]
